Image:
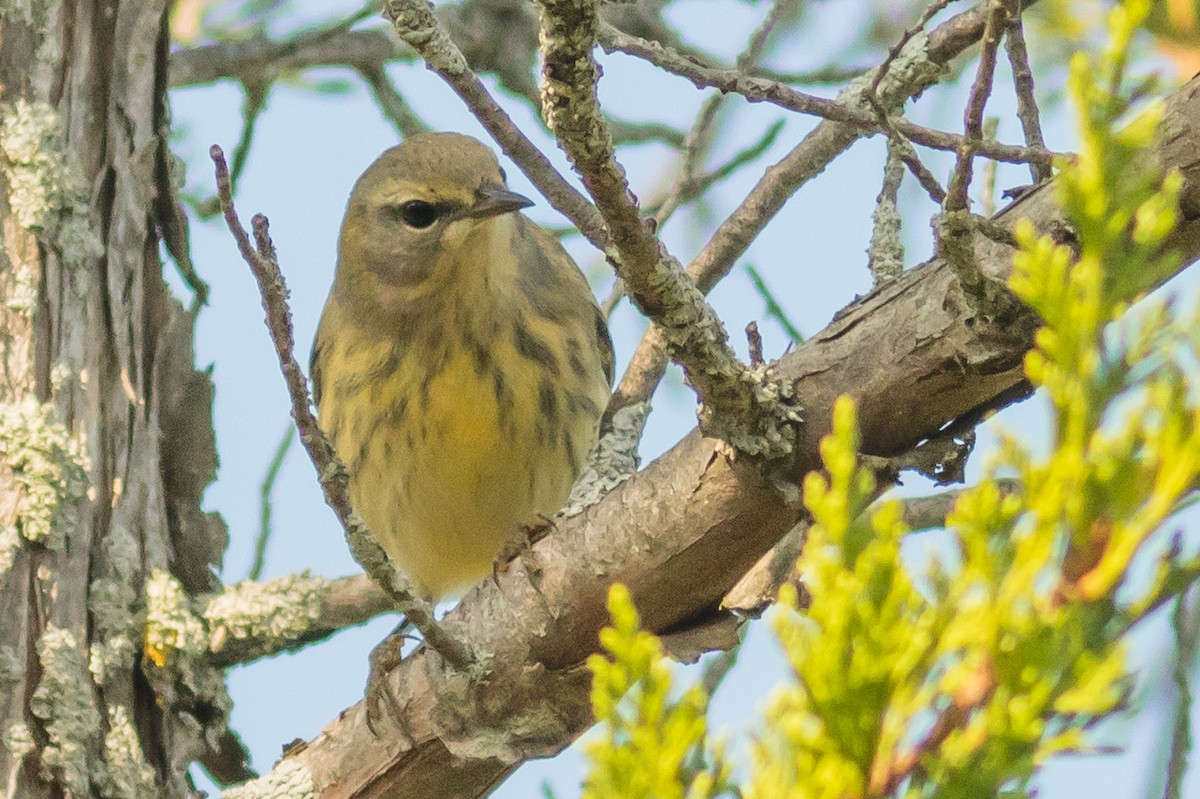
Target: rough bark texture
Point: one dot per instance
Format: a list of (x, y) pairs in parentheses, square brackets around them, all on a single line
[(106, 352), (681, 532)]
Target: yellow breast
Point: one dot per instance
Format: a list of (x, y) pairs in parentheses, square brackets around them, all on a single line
[(463, 401), (453, 448)]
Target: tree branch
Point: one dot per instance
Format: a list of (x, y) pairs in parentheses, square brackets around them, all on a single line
[(928, 58), (344, 602), (1027, 108), (198, 66), (981, 89), (762, 90), (681, 532), (739, 404)]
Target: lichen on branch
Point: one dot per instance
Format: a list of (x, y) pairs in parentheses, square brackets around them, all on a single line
[(746, 407)]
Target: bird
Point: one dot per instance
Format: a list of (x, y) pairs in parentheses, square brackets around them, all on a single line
[(461, 363)]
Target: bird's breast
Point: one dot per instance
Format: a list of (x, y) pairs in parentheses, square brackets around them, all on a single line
[(452, 443)]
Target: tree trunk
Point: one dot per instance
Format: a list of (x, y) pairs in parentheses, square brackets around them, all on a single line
[(105, 427)]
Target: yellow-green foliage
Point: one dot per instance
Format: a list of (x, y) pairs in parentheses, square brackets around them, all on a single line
[(959, 681), (653, 745)]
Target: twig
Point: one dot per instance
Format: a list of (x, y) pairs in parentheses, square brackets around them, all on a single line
[(899, 145), (760, 586), (261, 258), (343, 603), (609, 304), (689, 183), (825, 76), (955, 227), (391, 102), (929, 512), (695, 146), (885, 255), (872, 91), (981, 89), (253, 104), (774, 309), (761, 90), (330, 45), (757, 45), (755, 343), (988, 194), (1027, 108), (908, 156), (265, 505), (1184, 625), (632, 132), (974, 691)]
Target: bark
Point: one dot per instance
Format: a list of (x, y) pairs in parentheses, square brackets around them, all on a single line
[(105, 433), (105, 426), (681, 533)]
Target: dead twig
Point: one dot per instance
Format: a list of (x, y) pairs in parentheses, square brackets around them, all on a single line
[(335, 484)]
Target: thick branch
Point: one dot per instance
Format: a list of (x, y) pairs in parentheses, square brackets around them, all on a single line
[(681, 532)]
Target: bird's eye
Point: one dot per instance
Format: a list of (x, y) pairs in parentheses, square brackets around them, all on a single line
[(418, 214)]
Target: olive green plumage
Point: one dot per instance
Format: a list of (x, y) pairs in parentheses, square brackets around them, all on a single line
[(461, 363)]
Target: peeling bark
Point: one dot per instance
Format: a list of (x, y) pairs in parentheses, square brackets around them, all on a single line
[(107, 352)]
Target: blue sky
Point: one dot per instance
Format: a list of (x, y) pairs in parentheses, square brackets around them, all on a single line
[(308, 151)]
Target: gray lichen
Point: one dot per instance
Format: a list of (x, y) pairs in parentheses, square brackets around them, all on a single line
[(30, 161), (913, 67), (78, 240), (175, 644), (113, 601), (886, 252), (415, 24), (10, 541), (64, 701), (172, 629), (17, 10), (42, 185), (908, 75), (18, 740), (22, 291), (48, 473), (282, 609), (613, 460), (127, 774), (10, 665), (288, 780)]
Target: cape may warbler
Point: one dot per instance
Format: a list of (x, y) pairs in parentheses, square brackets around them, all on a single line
[(461, 363)]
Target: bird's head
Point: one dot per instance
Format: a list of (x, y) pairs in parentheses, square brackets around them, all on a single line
[(416, 212)]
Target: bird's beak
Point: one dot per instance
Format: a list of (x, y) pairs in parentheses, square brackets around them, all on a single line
[(494, 200)]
